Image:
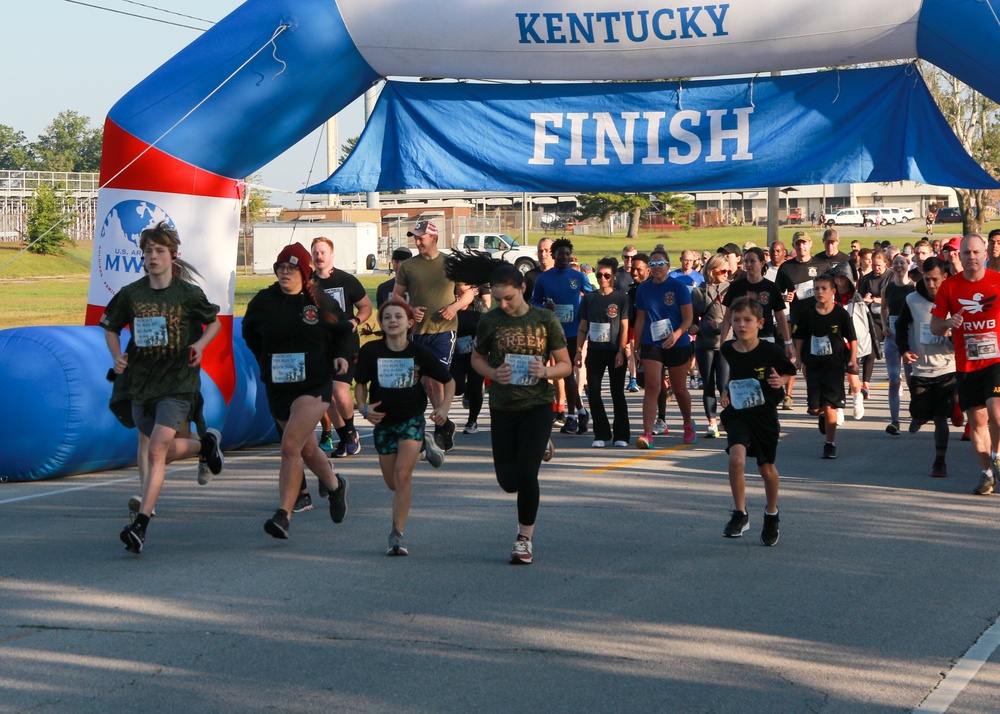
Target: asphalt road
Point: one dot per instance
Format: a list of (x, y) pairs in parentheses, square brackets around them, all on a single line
[(882, 581)]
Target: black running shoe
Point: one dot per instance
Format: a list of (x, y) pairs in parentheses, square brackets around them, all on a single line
[(338, 501), (303, 503), (739, 522), (582, 419), (133, 537), (277, 525), (444, 435), (769, 533), (822, 424), (211, 451), (829, 451)]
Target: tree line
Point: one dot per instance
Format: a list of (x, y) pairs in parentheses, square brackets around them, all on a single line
[(69, 143)]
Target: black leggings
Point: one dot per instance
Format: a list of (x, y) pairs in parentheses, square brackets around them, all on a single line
[(519, 439), (468, 382)]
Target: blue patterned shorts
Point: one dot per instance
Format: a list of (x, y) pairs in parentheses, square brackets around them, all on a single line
[(388, 436)]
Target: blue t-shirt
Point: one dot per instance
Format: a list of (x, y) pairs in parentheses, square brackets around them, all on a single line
[(662, 301), (692, 279), (563, 286)]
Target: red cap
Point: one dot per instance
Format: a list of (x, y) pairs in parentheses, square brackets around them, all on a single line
[(953, 244), (424, 228)]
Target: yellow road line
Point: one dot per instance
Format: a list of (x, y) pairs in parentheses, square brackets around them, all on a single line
[(652, 454)]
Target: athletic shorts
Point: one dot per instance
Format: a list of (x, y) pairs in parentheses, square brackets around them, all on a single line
[(442, 344), (348, 376), (674, 357), (824, 387), (932, 397), (757, 429), (279, 399), (388, 436), (974, 388), (174, 413)]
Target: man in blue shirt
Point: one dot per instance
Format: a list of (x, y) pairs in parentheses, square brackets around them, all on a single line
[(559, 289), (686, 273)]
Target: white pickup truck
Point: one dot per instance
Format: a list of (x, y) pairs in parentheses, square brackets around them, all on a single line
[(502, 246)]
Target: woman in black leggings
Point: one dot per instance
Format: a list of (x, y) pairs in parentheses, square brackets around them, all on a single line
[(513, 347)]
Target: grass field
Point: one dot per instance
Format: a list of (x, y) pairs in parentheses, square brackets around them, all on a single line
[(49, 290)]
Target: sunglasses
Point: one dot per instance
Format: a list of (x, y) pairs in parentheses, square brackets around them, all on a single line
[(723, 271), (657, 264), (606, 276), (285, 268)]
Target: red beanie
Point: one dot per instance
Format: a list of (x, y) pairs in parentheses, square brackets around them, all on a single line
[(297, 255)]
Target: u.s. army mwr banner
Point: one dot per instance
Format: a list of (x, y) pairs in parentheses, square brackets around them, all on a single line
[(830, 127)]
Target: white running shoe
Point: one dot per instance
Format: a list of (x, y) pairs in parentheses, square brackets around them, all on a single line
[(859, 406)]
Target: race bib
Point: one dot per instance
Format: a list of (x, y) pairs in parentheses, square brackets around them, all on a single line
[(929, 338), (981, 347), (338, 295), (519, 370), (288, 368), (660, 329), (804, 290), (745, 393), (150, 331), (463, 345), (600, 332), (820, 346), (396, 372), (564, 313)]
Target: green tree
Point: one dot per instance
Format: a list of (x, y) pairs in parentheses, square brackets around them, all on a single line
[(256, 199), (15, 151), (47, 220), (347, 147), (69, 144), (604, 205)]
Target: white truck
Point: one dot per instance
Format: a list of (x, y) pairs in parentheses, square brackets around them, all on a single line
[(502, 246)]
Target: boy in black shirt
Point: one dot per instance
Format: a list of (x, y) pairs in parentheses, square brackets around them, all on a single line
[(758, 373), (825, 342)]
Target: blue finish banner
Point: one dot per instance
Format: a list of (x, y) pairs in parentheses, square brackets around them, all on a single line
[(838, 126)]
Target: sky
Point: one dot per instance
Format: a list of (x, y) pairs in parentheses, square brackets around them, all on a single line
[(85, 59)]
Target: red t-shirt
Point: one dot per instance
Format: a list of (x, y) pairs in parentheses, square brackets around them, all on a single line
[(977, 341)]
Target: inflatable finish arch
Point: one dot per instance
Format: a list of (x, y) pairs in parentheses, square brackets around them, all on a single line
[(177, 145)]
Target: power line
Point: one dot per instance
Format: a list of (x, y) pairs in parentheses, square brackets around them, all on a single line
[(169, 12), (130, 14)]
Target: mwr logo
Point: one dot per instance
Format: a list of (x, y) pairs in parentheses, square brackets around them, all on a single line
[(612, 311), (310, 315), (764, 298), (668, 299), (118, 251)]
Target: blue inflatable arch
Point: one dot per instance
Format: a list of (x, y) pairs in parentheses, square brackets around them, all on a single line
[(177, 145)]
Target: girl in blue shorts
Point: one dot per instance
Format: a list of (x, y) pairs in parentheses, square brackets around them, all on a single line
[(388, 373)]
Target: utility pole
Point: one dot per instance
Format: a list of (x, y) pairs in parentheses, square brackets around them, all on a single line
[(772, 204)]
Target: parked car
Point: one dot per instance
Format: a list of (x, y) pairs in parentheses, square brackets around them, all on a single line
[(948, 214), (895, 215), (794, 216), (850, 217), (502, 246), (908, 214)]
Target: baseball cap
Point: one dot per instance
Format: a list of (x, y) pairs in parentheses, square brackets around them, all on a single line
[(907, 250), (401, 254), (424, 228), (800, 236), (728, 248), (297, 255), (953, 244)]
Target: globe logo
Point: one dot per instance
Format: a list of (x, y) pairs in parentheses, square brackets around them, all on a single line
[(128, 219)]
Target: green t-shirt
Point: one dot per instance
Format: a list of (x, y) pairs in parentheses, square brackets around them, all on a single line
[(536, 333), (428, 287), (165, 323)]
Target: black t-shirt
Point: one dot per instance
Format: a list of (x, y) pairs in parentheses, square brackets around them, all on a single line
[(347, 291), (792, 273), (771, 299), (599, 310), (393, 378), (623, 280), (823, 336), (757, 365), (895, 297)]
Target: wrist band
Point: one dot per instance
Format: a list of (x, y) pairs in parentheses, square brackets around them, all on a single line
[(364, 411)]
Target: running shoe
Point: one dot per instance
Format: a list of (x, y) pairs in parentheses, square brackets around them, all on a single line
[(338, 500), (632, 386), (353, 445), (582, 419), (433, 453), (324, 492), (957, 417), (859, 406), (865, 391), (326, 442), (396, 546), (620, 443), (598, 444), (829, 451), (644, 442), (822, 423), (985, 487), (134, 504), (571, 426), (939, 469), (303, 503), (550, 450), (965, 434), (786, 403), (133, 537), (915, 426), (465, 401), (444, 435), (211, 451), (690, 433), (769, 533), (660, 428), (560, 417), (521, 554), (840, 417), (277, 525), (204, 473), (738, 524), (471, 428), (340, 451), (892, 429), (712, 432)]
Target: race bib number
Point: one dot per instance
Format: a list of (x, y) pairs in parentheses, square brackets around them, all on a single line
[(804, 290), (288, 368), (660, 329), (396, 373), (745, 393), (150, 331), (929, 338), (820, 346), (981, 347), (564, 313), (600, 332), (519, 370), (338, 295), (463, 345)]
